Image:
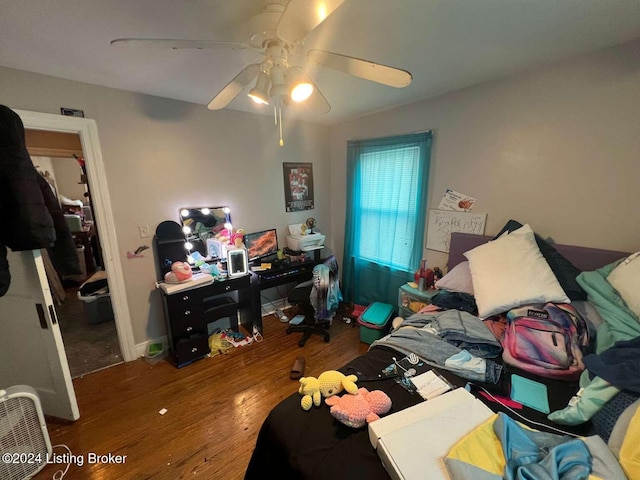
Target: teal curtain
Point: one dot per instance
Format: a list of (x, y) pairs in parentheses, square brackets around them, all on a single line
[(387, 181)]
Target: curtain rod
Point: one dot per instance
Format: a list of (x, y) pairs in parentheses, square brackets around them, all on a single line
[(393, 135)]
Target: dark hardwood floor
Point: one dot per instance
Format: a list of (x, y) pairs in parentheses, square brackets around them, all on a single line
[(215, 408)]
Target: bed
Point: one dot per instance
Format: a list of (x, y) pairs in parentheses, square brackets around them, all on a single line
[(293, 443)]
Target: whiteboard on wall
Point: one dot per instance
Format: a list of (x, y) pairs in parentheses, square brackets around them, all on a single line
[(443, 222)]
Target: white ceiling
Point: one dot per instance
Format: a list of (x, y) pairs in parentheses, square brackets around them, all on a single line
[(445, 44)]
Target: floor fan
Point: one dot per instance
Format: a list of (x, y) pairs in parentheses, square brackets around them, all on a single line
[(24, 440)]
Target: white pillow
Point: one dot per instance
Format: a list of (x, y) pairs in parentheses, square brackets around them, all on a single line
[(457, 280), (625, 278), (510, 271)]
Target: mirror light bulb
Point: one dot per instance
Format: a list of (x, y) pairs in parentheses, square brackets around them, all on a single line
[(184, 212), (205, 211), (188, 245), (226, 210), (186, 230)]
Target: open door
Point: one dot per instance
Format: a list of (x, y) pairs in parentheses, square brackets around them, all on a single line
[(31, 347)]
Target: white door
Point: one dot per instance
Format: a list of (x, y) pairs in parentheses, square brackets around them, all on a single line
[(31, 348)]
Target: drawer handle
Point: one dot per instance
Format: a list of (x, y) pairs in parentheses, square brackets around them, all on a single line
[(185, 298), (194, 349), (187, 312), (189, 329), (227, 288)]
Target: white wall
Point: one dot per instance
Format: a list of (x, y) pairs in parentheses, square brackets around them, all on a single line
[(161, 155), (68, 176), (558, 148)]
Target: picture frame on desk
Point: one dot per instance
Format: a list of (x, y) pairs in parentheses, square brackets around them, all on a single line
[(237, 263)]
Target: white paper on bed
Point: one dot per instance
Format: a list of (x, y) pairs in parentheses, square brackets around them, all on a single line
[(412, 443)]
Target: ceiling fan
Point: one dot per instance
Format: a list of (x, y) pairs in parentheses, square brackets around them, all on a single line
[(277, 32)]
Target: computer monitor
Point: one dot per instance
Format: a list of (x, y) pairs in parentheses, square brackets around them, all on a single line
[(261, 244)]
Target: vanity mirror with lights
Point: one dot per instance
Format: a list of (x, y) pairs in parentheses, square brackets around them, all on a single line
[(203, 228), (194, 310)]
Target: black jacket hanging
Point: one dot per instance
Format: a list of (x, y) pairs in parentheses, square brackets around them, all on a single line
[(30, 216)]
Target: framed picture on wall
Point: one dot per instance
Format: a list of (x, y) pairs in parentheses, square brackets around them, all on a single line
[(298, 186)]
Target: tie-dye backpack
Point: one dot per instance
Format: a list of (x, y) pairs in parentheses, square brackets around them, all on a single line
[(546, 339)]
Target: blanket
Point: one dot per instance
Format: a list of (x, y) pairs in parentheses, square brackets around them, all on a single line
[(452, 340), (503, 449), (620, 323)]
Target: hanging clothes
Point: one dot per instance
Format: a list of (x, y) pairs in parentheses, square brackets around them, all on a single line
[(30, 216)]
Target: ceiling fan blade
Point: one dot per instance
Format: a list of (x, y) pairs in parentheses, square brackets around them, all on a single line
[(316, 102), (175, 43), (375, 72), (234, 87), (302, 16)]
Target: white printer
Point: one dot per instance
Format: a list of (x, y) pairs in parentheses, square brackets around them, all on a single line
[(299, 241)]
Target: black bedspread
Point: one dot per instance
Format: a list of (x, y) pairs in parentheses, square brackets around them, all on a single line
[(295, 444)]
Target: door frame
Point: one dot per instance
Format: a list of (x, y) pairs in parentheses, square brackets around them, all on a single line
[(101, 202)]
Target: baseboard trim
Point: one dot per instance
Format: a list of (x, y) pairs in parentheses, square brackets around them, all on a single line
[(141, 348)]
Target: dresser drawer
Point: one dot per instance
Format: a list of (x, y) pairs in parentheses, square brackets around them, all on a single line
[(182, 298), (187, 327), (188, 350)]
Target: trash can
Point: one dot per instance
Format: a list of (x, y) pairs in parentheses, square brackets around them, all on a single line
[(97, 300)]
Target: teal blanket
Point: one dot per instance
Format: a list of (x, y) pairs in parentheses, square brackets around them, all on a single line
[(619, 322)]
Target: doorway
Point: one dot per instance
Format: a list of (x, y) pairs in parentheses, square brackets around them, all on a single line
[(94, 175), (83, 302)]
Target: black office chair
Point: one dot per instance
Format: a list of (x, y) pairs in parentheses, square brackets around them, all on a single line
[(320, 298)]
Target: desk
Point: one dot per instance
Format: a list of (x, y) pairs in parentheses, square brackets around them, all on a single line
[(188, 314), (274, 277)]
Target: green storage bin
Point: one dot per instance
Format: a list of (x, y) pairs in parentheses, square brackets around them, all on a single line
[(374, 321)]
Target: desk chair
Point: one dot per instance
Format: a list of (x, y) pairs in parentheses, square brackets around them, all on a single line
[(320, 298)]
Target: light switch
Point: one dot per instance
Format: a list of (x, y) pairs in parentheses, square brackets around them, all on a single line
[(144, 231)]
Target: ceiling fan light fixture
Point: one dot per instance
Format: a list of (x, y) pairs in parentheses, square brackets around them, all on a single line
[(278, 87), (301, 91), (260, 93), (300, 87)]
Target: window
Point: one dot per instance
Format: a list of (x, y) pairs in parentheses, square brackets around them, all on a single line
[(386, 210)]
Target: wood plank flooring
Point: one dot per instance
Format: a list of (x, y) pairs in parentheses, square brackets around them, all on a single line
[(215, 408)]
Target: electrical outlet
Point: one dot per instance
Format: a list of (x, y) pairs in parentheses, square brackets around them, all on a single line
[(143, 230)]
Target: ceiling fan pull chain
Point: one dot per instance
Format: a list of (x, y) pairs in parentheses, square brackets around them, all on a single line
[(281, 140)]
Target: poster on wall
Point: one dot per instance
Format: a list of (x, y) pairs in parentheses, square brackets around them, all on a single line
[(442, 223), (298, 186)]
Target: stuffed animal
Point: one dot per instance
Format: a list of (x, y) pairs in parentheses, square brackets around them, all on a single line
[(357, 410), (180, 272), (237, 238), (333, 382), (327, 384), (310, 391)]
